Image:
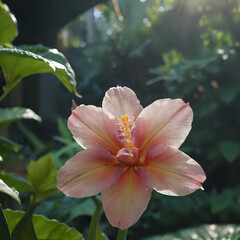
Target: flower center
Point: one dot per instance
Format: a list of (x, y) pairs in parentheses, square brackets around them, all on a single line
[(129, 154), (126, 125)]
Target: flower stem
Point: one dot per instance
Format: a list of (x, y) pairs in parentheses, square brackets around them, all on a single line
[(95, 219), (122, 234)]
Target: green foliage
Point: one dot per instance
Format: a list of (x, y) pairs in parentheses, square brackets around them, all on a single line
[(7, 147), (214, 36), (226, 200), (230, 150), (19, 183), (22, 61), (8, 115), (69, 146), (44, 228), (58, 208), (171, 58), (63, 129), (4, 231), (177, 70), (100, 235), (24, 227), (9, 191), (32, 138), (204, 232), (42, 175), (65, 152), (8, 27)]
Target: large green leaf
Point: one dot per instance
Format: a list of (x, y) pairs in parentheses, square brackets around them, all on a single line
[(42, 175), (22, 61), (24, 229), (8, 26), (19, 183), (204, 232), (4, 231), (45, 229), (9, 191), (8, 115)]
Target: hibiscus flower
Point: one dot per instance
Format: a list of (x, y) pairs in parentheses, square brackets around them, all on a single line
[(130, 151)]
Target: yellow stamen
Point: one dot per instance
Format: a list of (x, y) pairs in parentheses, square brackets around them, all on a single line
[(126, 126)]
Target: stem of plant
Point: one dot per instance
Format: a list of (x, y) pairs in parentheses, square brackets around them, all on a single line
[(95, 219), (122, 234)]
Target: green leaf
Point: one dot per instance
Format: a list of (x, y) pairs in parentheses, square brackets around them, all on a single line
[(100, 235), (22, 61), (45, 229), (218, 206), (230, 150), (9, 191), (7, 147), (8, 26), (8, 115), (180, 71), (42, 174), (69, 150), (24, 229), (204, 232), (4, 231), (228, 198), (79, 207), (19, 183), (63, 129)]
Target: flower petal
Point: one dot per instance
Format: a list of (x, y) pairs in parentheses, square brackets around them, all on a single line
[(165, 121), (171, 172), (88, 173), (120, 101), (91, 126), (126, 200)]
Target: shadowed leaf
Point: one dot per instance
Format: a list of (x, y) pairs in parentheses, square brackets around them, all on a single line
[(22, 61), (8, 26), (44, 228)]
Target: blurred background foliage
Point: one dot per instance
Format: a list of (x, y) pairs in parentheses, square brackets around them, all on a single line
[(187, 49)]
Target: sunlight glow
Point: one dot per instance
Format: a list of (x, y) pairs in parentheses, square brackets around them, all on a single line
[(147, 22), (121, 18), (97, 13), (163, 9), (109, 32)]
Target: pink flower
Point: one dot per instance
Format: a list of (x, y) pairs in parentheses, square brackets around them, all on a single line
[(129, 152)]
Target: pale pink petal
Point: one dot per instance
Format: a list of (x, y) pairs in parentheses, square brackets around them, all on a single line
[(165, 121), (171, 172), (91, 126), (126, 200), (88, 173), (120, 101)]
